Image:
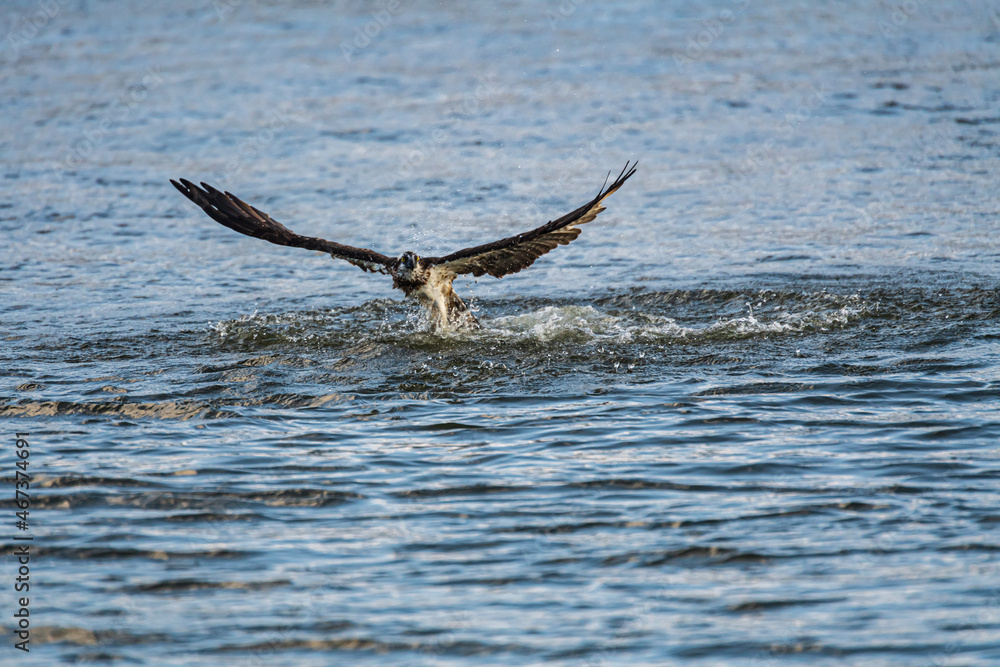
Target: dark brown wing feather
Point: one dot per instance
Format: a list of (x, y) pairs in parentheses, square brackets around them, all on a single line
[(514, 253), (230, 211)]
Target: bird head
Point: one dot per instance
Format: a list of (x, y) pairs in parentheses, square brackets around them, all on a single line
[(407, 262)]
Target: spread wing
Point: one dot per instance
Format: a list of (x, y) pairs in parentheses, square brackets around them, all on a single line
[(514, 253), (230, 211)]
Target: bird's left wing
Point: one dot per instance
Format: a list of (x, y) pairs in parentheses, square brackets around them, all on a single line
[(514, 253), (230, 211)]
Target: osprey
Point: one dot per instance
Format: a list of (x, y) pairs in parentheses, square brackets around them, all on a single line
[(426, 278)]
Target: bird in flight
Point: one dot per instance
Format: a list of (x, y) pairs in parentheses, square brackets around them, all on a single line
[(428, 279)]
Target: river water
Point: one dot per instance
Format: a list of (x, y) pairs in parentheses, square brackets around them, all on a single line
[(749, 417)]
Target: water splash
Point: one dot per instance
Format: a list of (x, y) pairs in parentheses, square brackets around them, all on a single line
[(648, 320)]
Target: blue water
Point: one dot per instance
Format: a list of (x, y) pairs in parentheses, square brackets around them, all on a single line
[(749, 417)]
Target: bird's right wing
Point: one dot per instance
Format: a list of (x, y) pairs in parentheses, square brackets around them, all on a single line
[(230, 211)]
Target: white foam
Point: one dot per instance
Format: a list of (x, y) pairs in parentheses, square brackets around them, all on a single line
[(553, 324)]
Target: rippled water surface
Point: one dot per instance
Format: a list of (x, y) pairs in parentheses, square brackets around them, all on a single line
[(749, 417)]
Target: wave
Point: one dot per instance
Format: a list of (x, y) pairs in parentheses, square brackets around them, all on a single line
[(635, 319), (331, 359), (587, 323)]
